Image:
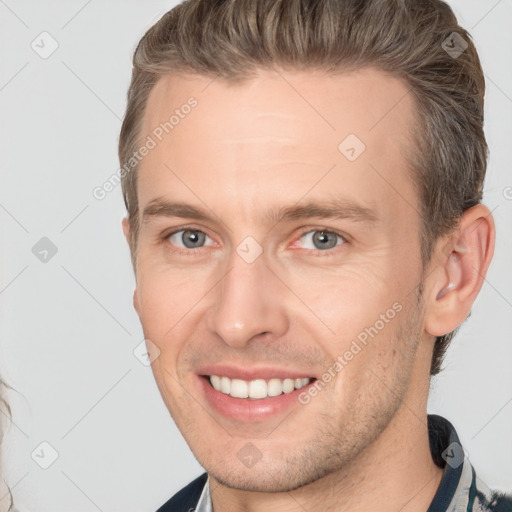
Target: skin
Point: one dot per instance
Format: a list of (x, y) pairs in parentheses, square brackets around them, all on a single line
[(361, 443)]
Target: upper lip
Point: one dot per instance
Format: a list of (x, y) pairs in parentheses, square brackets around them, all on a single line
[(252, 373)]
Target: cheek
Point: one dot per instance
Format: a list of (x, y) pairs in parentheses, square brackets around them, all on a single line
[(343, 304), (356, 319), (169, 305), (166, 295)]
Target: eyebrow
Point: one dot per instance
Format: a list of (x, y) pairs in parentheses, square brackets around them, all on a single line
[(326, 209)]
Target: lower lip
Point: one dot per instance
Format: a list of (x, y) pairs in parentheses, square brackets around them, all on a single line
[(247, 409)]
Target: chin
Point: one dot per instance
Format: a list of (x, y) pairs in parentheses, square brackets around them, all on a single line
[(272, 476), (261, 481)]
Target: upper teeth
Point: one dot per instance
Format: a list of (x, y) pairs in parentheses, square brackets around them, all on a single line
[(258, 388)]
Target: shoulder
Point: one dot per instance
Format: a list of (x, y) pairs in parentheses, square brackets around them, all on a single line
[(460, 488), (492, 501), (186, 499)]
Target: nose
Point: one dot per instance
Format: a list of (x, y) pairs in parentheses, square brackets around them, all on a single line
[(247, 302)]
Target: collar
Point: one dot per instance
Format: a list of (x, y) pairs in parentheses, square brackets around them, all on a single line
[(205, 501)]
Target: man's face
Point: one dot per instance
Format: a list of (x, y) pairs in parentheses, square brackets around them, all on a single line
[(247, 294)]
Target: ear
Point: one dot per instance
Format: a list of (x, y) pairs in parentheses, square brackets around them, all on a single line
[(136, 303), (126, 228), (461, 266), (126, 231)]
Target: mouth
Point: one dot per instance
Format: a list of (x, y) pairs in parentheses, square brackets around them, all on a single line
[(256, 389), (253, 396)]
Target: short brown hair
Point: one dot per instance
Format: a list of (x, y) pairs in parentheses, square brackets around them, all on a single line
[(408, 39)]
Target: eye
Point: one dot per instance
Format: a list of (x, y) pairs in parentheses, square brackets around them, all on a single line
[(187, 238), (322, 239)]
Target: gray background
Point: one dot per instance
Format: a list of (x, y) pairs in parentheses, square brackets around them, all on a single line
[(67, 326)]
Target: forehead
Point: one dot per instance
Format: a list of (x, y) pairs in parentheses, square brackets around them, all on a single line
[(280, 131)]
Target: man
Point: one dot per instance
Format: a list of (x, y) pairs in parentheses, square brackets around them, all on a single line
[(303, 184)]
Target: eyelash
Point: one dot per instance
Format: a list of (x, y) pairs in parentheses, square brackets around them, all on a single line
[(317, 252)]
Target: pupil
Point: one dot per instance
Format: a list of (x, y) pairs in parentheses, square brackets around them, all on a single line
[(191, 238), (323, 239)]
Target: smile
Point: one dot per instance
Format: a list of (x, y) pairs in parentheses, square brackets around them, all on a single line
[(257, 388)]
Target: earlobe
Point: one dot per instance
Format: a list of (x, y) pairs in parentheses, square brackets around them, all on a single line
[(462, 272)]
